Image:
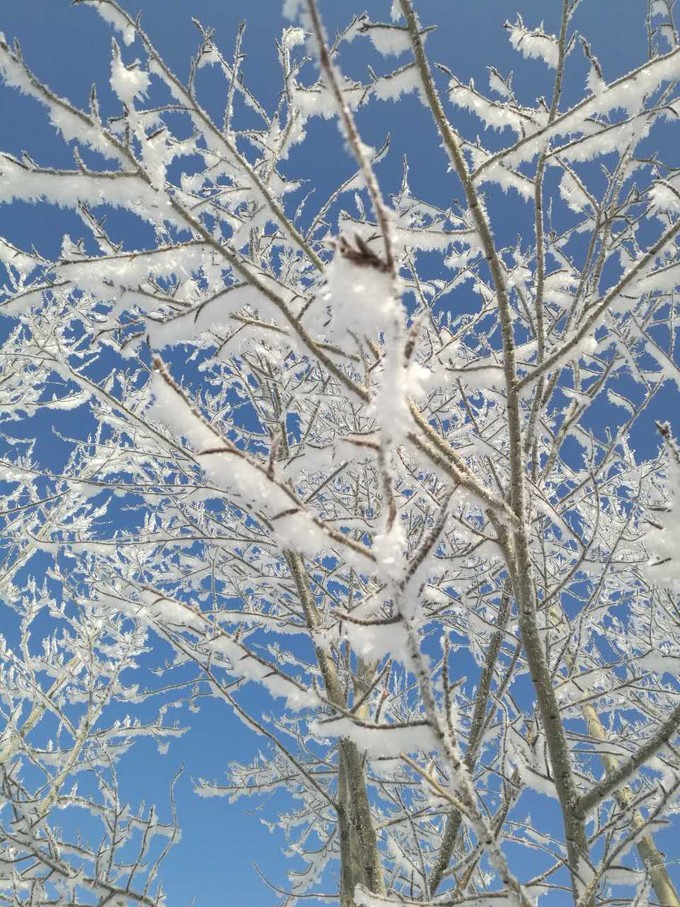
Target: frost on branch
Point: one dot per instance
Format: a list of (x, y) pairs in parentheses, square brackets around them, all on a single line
[(534, 43), (367, 465)]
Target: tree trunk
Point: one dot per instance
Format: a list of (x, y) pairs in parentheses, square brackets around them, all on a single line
[(359, 858)]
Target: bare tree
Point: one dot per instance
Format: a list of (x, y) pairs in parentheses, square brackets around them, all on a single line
[(377, 455), (60, 744)]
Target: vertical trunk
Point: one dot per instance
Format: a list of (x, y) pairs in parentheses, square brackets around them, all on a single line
[(359, 858), (518, 556), (358, 841), (549, 710)]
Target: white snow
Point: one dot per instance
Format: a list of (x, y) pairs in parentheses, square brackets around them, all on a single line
[(534, 43), (131, 82)]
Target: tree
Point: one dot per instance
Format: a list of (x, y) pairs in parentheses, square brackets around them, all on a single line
[(60, 744), (382, 457)]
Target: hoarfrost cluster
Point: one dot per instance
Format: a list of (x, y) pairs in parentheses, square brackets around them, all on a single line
[(391, 459)]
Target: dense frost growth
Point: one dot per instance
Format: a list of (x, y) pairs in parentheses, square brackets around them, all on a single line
[(390, 461)]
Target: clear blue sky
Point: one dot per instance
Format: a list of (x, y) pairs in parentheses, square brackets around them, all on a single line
[(69, 48)]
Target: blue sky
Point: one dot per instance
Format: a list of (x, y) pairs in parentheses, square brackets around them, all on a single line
[(69, 48)]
